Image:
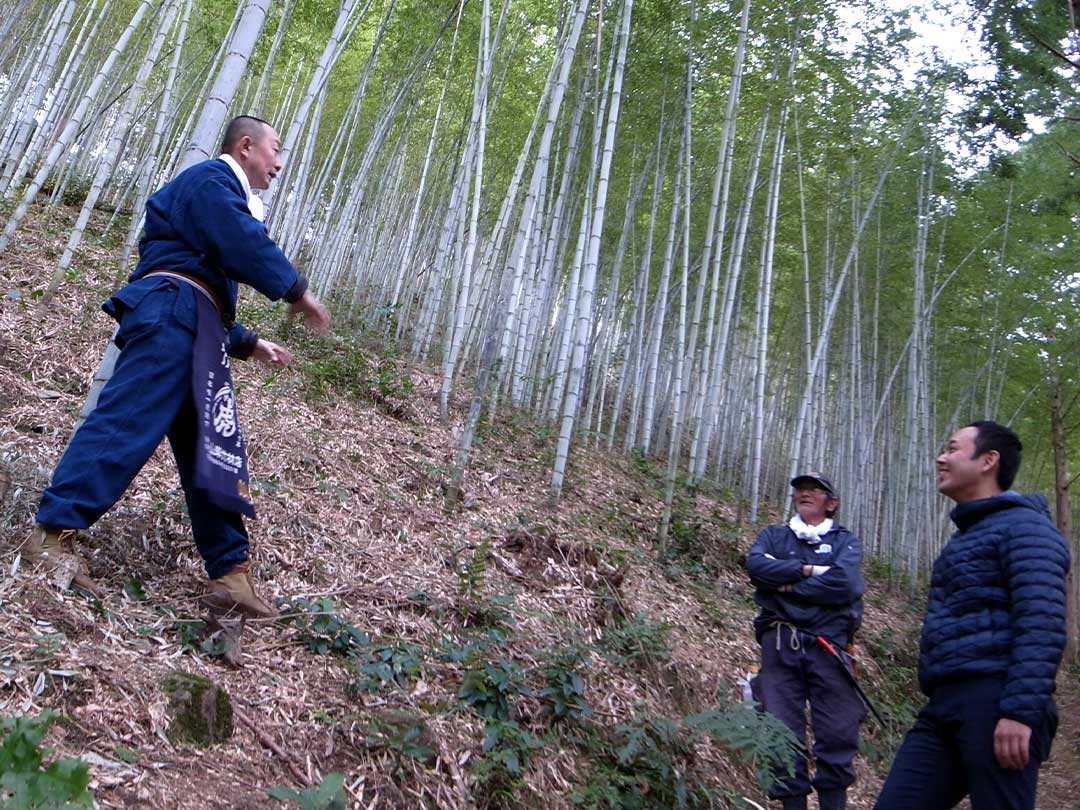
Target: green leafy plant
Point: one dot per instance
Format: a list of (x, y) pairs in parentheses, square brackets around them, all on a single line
[(199, 637), (394, 664), (700, 547), (642, 765), (135, 590), (651, 762), (405, 735), (509, 745), (499, 773), (644, 465), (490, 690), (565, 689), (129, 755), (341, 365), (321, 629), (330, 795), (895, 691), (474, 647), (475, 607), (756, 737), (637, 639), (25, 783), (472, 573)]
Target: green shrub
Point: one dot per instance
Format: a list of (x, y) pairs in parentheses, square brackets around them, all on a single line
[(475, 607), (473, 572), (757, 738), (637, 639), (25, 784), (491, 690), (640, 766), (339, 366), (499, 773), (565, 686), (199, 637), (651, 763), (330, 795), (895, 693), (474, 647), (700, 547), (321, 630), (396, 664), (509, 745), (405, 735)]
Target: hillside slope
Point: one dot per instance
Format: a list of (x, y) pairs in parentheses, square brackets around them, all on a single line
[(408, 623)]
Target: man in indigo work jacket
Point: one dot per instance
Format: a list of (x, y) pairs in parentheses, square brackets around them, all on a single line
[(203, 237), (992, 640), (809, 583)]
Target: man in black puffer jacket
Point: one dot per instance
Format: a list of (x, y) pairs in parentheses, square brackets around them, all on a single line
[(808, 579), (992, 640)]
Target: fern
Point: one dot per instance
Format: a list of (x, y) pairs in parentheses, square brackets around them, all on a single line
[(757, 738)]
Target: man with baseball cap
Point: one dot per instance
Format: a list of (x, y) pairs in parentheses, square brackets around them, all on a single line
[(808, 579)]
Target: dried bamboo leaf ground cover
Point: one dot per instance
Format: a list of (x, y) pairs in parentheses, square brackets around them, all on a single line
[(351, 510)]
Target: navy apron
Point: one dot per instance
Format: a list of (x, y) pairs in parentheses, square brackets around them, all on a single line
[(220, 459)]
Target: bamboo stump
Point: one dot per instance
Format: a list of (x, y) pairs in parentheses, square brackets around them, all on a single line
[(201, 712)]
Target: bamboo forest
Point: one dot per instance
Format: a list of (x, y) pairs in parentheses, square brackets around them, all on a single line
[(733, 240)]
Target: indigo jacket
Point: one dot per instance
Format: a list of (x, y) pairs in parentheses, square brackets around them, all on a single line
[(997, 604), (199, 224), (828, 604)]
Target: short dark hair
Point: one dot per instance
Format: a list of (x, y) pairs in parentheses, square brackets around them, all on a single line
[(992, 436), (239, 127)]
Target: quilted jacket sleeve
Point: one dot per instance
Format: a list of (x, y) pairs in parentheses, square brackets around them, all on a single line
[(1035, 560)]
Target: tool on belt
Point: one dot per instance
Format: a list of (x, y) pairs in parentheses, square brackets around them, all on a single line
[(847, 664)]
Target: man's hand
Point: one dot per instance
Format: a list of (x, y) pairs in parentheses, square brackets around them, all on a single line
[(1011, 741), (316, 315), (271, 353)]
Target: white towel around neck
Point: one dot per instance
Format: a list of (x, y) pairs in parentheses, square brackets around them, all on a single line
[(811, 534), (254, 201)]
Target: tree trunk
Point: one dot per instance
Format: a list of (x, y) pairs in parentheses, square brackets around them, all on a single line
[(1062, 507), (204, 139)]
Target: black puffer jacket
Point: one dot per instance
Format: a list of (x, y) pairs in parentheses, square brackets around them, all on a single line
[(828, 605), (997, 603)]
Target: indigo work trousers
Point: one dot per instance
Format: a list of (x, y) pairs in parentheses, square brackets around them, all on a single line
[(949, 754), (147, 398), (794, 670)]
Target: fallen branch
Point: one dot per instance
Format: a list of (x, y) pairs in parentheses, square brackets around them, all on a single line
[(271, 744)]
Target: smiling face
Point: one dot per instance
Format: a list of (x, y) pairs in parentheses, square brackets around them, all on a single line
[(260, 157), (963, 476), (812, 503)]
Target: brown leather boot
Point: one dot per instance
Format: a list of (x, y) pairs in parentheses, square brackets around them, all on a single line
[(54, 550), (235, 592)]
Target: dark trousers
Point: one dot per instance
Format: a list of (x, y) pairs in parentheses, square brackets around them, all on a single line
[(792, 673), (149, 397), (949, 754)]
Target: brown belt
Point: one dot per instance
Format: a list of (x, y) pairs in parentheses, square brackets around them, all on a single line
[(199, 284)]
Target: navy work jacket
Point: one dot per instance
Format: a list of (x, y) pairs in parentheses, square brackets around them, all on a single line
[(827, 605), (199, 224)]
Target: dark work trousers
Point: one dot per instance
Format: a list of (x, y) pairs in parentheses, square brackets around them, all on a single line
[(797, 670), (149, 397), (949, 754)]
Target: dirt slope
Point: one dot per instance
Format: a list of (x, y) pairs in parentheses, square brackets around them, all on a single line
[(351, 509)]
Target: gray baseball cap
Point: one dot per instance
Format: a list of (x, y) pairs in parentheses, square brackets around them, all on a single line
[(815, 478)]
